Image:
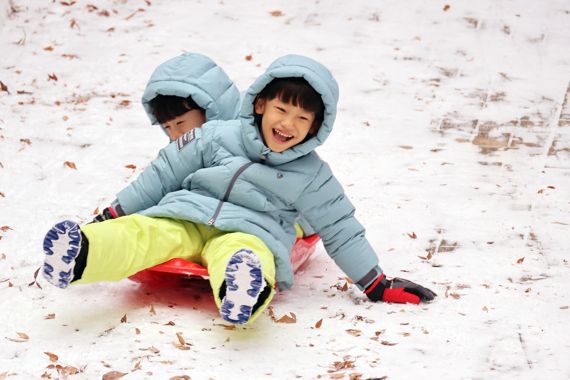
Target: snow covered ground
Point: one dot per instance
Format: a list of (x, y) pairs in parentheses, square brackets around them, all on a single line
[(452, 140)]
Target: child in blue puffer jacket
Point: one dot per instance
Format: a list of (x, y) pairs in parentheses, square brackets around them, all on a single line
[(227, 195)]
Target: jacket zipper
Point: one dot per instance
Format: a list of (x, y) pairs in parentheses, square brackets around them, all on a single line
[(228, 191)]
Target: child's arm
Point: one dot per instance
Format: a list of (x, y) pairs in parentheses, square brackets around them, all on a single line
[(164, 175), (331, 214)]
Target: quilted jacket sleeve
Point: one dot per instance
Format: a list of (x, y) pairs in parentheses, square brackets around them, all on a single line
[(165, 173), (328, 210)]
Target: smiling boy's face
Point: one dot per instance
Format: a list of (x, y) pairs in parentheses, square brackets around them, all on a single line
[(181, 124), (283, 125)]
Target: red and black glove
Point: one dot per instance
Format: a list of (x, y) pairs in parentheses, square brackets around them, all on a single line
[(109, 213), (398, 290)]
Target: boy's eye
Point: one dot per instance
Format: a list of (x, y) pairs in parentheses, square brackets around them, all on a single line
[(280, 109)]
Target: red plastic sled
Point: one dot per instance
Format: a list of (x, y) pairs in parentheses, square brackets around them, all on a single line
[(301, 252)]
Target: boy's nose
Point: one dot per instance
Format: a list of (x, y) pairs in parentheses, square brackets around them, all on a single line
[(286, 122)]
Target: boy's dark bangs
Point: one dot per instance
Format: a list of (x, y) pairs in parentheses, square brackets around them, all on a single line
[(296, 91), (168, 107)]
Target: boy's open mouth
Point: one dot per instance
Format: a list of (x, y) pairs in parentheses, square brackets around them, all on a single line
[(281, 137)]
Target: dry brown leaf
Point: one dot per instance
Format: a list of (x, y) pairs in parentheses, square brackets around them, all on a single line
[(96, 211), (338, 366), (288, 319), (134, 13), (3, 87), (407, 147), (319, 323), (73, 24), (50, 316), (70, 164), (413, 235), (386, 343), (170, 323), (5, 228), (563, 307), (48, 48), (226, 327), (446, 7), (91, 8), (344, 287), (113, 375), (52, 357), (180, 338), (183, 377), (23, 335), (53, 77), (152, 311), (67, 3), (26, 141), (137, 331), (248, 57), (70, 56), (131, 166), (455, 295), (124, 319), (125, 103), (354, 332), (277, 13), (520, 261)]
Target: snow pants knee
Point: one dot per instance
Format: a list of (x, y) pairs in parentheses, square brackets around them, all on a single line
[(121, 247)]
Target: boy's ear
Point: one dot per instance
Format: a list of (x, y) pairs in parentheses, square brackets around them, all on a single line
[(259, 106)]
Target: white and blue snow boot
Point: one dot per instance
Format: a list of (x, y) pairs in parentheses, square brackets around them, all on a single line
[(61, 246), (244, 283)]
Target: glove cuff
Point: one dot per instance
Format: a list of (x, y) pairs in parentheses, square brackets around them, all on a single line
[(375, 291)]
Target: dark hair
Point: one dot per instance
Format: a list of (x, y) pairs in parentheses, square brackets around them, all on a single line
[(168, 107), (298, 92)]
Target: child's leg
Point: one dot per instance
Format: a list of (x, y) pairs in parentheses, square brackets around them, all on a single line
[(122, 247), (242, 275)]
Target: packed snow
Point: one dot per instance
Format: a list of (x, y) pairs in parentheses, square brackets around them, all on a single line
[(452, 140)]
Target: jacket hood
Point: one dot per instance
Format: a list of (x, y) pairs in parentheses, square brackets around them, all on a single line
[(319, 77), (197, 76)]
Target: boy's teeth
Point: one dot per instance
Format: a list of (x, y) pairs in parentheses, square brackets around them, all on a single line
[(282, 134)]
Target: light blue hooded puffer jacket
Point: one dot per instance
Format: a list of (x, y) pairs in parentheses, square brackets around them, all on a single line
[(223, 175), (194, 75)]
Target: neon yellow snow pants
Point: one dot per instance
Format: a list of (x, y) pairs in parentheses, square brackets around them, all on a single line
[(121, 247)]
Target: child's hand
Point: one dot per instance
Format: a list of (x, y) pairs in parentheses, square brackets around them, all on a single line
[(398, 290)]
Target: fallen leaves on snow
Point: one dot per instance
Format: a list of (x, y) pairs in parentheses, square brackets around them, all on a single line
[(182, 344), (113, 375), (52, 357), (35, 282), (70, 165), (292, 318), (3, 87), (23, 337)]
